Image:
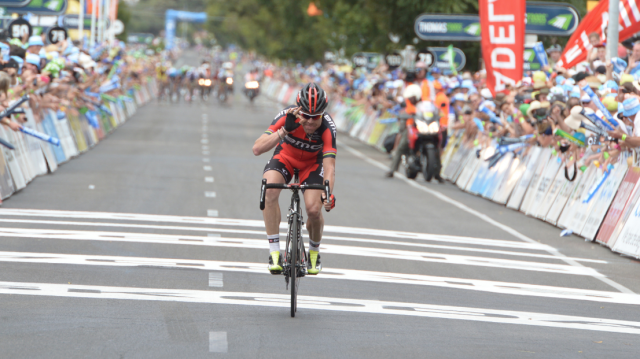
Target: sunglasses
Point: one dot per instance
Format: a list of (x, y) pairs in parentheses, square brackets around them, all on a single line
[(311, 117)]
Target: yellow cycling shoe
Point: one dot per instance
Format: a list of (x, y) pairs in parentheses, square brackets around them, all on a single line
[(274, 257), (314, 263)]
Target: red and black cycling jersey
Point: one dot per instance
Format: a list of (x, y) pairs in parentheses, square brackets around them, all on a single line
[(297, 144)]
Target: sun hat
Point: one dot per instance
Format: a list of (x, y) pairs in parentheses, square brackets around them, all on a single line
[(574, 120), (630, 106), (33, 59), (610, 103), (35, 41)]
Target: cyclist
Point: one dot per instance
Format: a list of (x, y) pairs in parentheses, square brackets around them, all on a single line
[(305, 137)]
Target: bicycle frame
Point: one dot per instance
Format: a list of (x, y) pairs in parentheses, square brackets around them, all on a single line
[(295, 261)]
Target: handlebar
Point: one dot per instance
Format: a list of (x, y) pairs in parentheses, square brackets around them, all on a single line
[(293, 187)]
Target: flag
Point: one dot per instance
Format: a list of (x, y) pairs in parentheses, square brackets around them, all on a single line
[(596, 21), (502, 26)]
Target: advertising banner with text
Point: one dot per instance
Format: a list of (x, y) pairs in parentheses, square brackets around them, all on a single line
[(502, 25)]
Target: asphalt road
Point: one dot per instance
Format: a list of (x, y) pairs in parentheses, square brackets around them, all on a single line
[(165, 257)]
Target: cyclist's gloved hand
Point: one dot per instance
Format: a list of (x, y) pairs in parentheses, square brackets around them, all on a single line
[(290, 124), (333, 202)]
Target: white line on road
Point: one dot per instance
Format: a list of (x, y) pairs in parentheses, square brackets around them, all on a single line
[(207, 168), (204, 141), (210, 194), (205, 159), (215, 279), (326, 248), (218, 342), (204, 135), (323, 303), (204, 148), (482, 216), (330, 274), (260, 224), (326, 238), (216, 235), (205, 153), (212, 212), (208, 179)]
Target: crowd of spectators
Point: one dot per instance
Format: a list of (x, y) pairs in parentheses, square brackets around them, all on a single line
[(554, 105), (66, 75)]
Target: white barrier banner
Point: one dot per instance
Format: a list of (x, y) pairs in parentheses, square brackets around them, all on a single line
[(554, 189), (543, 161), (602, 200), (512, 177), (518, 192)]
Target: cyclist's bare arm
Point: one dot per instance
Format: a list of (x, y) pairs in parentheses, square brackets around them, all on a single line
[(329, 167), (267, 142)]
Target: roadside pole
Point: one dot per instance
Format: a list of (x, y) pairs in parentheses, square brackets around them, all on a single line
[(612, 29)]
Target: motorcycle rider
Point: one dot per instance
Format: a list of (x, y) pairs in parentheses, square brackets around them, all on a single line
[(412, 95), (252, 75)]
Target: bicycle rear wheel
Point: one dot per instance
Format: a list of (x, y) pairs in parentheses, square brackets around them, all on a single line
[(294, 264)]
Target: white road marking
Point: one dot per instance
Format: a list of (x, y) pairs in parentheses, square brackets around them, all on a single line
[(204, 148), (205, 153), (212, 212), (324, 237), (260, 224), (210, 194), (218, 342), (204, 141), (92, 186), (323, 303), (204, 116), (481, 216), (215, 279), (217, 235), (330, 274), (204, 135), (326, 248), (208, 179), (207, 168), (204, 128), (205, 159)]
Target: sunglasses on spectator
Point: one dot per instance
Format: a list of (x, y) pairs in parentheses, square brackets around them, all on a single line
[(311, 117)]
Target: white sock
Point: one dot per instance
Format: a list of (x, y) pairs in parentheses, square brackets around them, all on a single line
[(314, 246), (274, 242)]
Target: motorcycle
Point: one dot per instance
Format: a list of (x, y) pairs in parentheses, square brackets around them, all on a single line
[(424, 154), (251, 89), (205, 87), (226, 87)]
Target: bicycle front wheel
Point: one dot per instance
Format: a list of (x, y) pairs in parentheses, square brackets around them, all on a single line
[(294, 263)]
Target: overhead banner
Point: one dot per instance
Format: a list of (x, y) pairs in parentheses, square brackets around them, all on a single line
[(543, 18), (38, 7), (502, 23), (596, 21), (549, 18)]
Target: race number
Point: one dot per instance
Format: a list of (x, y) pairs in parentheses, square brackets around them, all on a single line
[(359, 60), (427, 57), (18, 28), (394, 59), (57, 34)]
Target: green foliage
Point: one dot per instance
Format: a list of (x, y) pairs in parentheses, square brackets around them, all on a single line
[(124, 15), (283, 30)]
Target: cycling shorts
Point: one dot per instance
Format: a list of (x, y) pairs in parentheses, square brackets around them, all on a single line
[(310, 171)]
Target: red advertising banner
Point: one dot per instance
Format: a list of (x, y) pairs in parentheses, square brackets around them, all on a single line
[(596, 21), (620, 202), (502, 24)]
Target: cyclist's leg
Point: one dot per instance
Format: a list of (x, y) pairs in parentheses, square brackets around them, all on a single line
[(315, 222), (277, 170)]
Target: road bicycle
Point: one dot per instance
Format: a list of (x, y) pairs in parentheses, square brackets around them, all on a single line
[(295, 262)]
